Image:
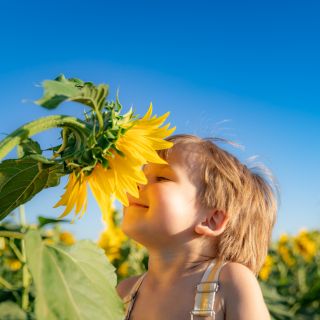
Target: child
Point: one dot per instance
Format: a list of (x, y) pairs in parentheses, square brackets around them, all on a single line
[(206, 220)]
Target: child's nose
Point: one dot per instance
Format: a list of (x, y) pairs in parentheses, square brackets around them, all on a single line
[(141, 187)]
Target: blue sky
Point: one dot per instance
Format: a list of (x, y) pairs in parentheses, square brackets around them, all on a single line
[(247, 71)]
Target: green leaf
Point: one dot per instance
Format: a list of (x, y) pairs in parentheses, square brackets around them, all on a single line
[(22, 179), (44, 221), (11, 311), (77, 283), (29, 147), (57, 91), (62, 89), (277, 304)]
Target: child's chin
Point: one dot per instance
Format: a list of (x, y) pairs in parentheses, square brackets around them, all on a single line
[(133, 229)]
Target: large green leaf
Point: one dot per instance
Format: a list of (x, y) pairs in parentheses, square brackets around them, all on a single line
[(11, 311), (21, 179), (62, 89), (77, 283)]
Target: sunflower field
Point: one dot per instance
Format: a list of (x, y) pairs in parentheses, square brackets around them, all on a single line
[(290, 277)]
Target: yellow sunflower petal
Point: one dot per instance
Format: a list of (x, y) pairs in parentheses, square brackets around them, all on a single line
[(82, 196), (102, 197), (69, 187)]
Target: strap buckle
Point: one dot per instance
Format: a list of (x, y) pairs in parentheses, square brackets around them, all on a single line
[(204, 287), (202, 313)]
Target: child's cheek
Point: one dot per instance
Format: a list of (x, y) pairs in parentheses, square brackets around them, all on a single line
[(170, 208), (162, 197)]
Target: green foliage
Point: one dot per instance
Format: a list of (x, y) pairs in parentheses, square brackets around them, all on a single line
[(277, 304), (69, 279), (29, 147), (22, 179), (291, 285), (62, 89), (42, 221), (72, 283), (11, 311)]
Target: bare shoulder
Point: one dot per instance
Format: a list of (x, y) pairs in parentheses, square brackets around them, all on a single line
[(124, 287), (241, 293)]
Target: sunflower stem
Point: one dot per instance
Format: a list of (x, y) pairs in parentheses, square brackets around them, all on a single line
[(15, 250), (64, 142), (11, 234), (39, 125), (100, 120), (26, 277), (6, 284)]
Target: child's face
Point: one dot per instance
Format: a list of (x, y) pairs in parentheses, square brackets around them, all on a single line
[(166, 211)]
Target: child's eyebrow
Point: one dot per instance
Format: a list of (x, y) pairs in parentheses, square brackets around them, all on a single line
[(166, 166), (168, 170), (159, 167)]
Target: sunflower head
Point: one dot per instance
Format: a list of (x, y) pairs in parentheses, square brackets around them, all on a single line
[(108, 154)]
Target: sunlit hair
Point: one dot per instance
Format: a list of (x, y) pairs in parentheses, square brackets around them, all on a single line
[(249, 197)]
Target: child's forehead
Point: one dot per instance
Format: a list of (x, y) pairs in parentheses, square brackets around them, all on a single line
[(178, 157)]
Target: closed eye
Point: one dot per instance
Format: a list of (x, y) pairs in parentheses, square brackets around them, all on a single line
[(162, 179)]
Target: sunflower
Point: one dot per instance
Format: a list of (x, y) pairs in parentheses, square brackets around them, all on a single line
[(266, 268), (137, 146)]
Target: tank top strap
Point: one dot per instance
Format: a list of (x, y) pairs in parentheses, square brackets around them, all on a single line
[(206, 291), (130, 298)]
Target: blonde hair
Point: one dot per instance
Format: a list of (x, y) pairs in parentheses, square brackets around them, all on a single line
[(249, 197)]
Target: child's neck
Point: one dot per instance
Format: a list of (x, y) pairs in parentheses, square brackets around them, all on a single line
[(168, 267)]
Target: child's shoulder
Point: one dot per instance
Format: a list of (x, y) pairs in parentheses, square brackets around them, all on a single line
[(124, 287), (236, 273), (242, 293)]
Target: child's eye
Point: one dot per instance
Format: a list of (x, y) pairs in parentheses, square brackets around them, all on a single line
[(162, 179)]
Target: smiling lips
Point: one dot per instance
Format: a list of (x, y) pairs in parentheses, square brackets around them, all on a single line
[(138, 205)]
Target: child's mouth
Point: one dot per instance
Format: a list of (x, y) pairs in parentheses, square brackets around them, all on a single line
[(138, 205)]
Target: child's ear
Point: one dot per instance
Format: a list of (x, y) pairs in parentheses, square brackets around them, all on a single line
[(213, 225)]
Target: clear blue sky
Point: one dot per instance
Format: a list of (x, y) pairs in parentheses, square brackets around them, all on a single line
[(243, 70)]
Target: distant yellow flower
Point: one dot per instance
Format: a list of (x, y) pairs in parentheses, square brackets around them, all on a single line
[(138, 245), (286, 255), (143, 137), (2, 243), (305, 246), (284, 239), (284, 249), (49, 241), (13, 264), (49, 233), (266, 268), (67, 238), (111, 240), (123, 269)]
